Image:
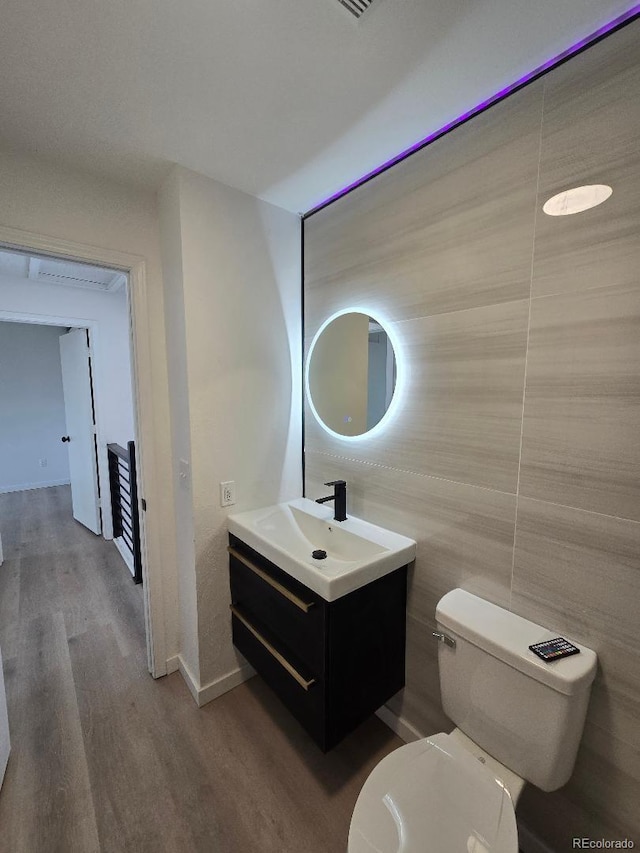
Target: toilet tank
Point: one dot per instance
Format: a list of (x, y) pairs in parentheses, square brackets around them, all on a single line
[(525, 712)]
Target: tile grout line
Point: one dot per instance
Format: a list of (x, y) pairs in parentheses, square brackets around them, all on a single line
[(582, 509), (530, 298), (409, 471), (402, 320), (460, 310), (526, 355)]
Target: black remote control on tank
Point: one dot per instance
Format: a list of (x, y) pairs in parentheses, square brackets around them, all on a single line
[(550, 650)]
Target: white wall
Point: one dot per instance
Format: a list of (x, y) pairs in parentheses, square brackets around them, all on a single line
[(47, 200), (240, 279), (109, 314), (32, 419)]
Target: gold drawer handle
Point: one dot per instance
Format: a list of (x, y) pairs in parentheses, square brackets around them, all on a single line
[(303, 605), (303, 682)]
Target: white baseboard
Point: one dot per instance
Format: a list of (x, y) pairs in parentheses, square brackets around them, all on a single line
[(192, 683), (399, 725), (528, 841), (216, 688), (24, 487), (207, 693), (173, 664)]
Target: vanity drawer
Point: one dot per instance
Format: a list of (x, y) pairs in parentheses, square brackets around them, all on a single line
[(290, 612), (293, 683)]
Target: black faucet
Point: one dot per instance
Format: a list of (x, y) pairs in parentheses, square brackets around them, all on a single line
[(339, 497)]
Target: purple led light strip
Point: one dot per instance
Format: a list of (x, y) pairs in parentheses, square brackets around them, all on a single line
[(626, 17)]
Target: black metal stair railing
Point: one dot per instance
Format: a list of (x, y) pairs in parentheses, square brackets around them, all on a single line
[(123, 487)]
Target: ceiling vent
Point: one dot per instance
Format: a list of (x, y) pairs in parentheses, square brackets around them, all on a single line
[(54, 271), (356, 7), (75, 275)]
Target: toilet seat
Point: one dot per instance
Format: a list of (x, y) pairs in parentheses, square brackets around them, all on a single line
[(433, 796)]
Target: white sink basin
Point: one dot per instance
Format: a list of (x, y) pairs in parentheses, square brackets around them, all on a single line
[(357, 552)]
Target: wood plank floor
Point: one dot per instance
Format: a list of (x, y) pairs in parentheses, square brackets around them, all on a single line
[(104, 758)]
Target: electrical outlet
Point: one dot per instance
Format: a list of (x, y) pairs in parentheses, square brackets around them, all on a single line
[(227, 493), (43, 463)]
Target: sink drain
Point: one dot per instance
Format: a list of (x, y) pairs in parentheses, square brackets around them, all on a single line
[(319, 554)]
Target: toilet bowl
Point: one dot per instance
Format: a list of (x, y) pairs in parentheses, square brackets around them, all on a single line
[(519, 718), (436, 795)]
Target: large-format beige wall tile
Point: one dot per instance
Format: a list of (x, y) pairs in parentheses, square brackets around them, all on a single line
[(590, 135), (460, 418), (419, 702), (581, 432), (449, 228), (563, 815), (606, 780), (614, 700), (579, 573), (464, 534), (600, 800)]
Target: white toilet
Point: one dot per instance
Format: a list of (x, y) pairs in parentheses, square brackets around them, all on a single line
[(519, 718)]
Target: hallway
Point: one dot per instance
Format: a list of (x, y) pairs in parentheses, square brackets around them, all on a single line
[(106, 759)]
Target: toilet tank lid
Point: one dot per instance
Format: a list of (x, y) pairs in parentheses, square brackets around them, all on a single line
[(507, 637)]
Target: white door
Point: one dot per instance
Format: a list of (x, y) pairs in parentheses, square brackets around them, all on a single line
[(80, 437)]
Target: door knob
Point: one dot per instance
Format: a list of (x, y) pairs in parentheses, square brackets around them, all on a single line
[(65, 438)]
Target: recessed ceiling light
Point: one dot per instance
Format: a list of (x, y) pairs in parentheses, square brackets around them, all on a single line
[(577, 200)]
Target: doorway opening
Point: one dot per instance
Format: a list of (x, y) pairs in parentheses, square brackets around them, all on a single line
[(85, 310)]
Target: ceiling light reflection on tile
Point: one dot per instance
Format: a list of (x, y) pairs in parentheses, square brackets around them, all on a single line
[(576, 200)]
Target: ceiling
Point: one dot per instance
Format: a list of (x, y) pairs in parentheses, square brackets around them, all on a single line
[(288, 100), (52, 271)]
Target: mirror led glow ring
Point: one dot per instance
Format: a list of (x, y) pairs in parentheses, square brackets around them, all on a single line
[(401, 376)]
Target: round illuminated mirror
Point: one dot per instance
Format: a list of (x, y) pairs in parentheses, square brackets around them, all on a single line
[(351, 374)]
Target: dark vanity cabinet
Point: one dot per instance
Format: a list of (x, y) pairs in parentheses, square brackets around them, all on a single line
[(332, 663)]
